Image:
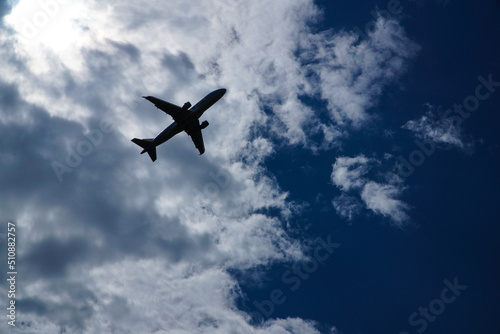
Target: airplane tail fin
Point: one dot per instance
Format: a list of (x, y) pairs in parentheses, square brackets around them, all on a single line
[(146, 145)]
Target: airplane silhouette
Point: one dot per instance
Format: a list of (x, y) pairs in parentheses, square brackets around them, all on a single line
[(185, 119)]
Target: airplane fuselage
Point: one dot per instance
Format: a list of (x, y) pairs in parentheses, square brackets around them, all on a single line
[(185, 119), (191, 115)]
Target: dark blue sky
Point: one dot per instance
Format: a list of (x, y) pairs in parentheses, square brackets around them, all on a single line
[(380, 274)]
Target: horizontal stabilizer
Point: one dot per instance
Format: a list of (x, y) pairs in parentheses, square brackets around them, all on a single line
[(144, 143), (147, 145)]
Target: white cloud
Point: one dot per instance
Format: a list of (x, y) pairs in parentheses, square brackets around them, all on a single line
[(349, 172), (380, 198), (443, 129), (352, 72), (351, 175)]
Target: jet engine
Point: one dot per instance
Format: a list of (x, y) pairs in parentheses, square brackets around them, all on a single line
[(203, 125), (186, 106)]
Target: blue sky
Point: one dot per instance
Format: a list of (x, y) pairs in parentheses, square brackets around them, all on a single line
[(349, 183)]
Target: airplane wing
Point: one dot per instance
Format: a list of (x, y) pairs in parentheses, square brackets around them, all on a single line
[(165, 106), (193, 129)]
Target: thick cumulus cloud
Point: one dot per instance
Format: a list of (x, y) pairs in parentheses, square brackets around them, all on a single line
[(111, 242), (354, 178)]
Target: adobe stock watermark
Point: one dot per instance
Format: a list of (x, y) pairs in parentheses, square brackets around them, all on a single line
[(457, 115), (211, 190), (11, 272), (83, 148), (95, 137), (293, 278), (436, 307), (41, 17)]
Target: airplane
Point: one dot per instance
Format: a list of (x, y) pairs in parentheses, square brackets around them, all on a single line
[(185, 119)]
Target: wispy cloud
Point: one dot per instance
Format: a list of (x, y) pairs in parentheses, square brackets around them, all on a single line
[(382, 199), (350, 173), (351, 72), (443, 130), (352, 176), (347, 206)]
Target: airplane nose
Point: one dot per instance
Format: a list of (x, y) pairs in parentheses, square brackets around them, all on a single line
[(219, 93)]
